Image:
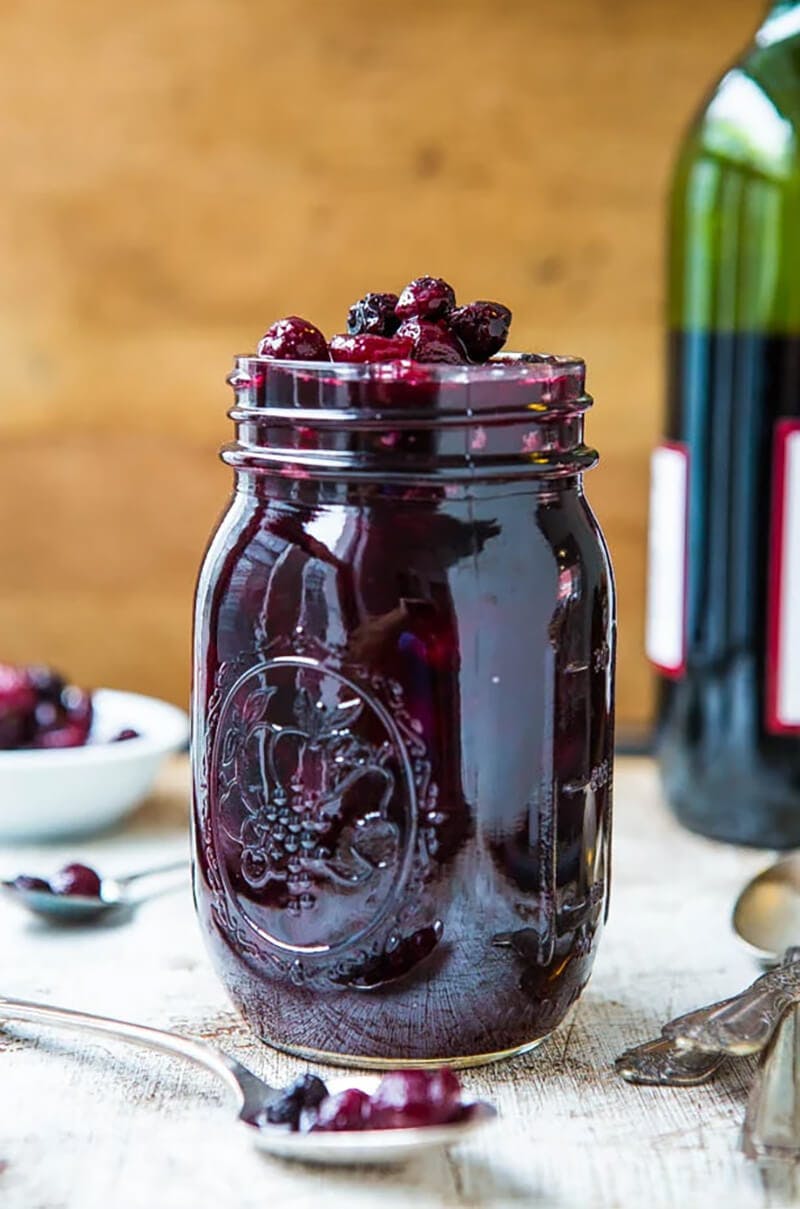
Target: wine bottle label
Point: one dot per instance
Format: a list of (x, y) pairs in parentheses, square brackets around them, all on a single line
[(783, 608), (667, 563)]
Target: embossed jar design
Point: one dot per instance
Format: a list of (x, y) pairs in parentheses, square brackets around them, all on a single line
[(403, 709)]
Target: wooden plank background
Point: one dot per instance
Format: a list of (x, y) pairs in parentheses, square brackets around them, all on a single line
[(177, 175)]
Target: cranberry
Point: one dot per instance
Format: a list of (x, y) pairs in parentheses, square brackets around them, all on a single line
[(126, 733), (426, 298), (17, 703), (293, 339), (369, 348), (60, 736), (76, 879), (408, 1098), (482, 327), (373, 315), (305, 1095), (26, 882), (432, 342), (347, 1110)]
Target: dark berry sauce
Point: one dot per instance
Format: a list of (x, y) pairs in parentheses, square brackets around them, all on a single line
[(403, 709)]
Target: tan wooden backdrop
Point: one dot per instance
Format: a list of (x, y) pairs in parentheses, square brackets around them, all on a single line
[(178, 173)]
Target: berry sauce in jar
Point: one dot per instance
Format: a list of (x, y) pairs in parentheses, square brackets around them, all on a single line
[(403, 709)]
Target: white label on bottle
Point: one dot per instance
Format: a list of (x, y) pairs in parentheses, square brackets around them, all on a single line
[(667, 542), (783, 614)]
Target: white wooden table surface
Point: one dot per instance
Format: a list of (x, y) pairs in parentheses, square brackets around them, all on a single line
[(87, 1126)]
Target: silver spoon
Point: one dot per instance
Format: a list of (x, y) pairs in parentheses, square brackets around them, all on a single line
[(693, 1047), (766, 917), (252, 1094), (117, 894)]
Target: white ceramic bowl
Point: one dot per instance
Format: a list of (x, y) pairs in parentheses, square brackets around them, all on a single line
[(65, 792)]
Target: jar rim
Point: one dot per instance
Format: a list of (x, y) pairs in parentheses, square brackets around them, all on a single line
[(516, 368), (509, 417)]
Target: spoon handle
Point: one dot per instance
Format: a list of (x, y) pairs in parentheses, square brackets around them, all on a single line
[(236, 1077), (772, 1123), (182, 866), (743, 1024)]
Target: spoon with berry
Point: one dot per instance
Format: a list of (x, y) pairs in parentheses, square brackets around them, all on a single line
[(380, 1121), (77, 894)]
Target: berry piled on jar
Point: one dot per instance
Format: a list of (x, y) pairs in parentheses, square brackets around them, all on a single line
[(422, 324), (40, 710)]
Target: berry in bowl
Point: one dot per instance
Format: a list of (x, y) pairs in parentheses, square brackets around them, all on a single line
[(72, 761)]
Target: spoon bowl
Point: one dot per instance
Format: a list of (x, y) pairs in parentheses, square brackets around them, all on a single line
[(376, 1147), (766, 915), (120, 895), (68, 908)]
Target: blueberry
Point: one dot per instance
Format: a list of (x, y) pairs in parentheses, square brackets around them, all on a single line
[(293, 339), (369, 348), (64, 725), (303, 1096), (426, 298), (432, 342), (46, 683), (373, 315), (482, 327), (26, 882), (76, 879)]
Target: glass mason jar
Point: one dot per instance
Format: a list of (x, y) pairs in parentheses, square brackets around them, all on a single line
[(403, 709)]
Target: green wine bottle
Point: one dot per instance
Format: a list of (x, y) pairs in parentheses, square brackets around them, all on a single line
[(723, 625)]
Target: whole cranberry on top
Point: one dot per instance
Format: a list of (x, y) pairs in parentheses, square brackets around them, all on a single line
[(426, 298), (76, 879), (482, 327), (409, 1098), (373, 315), (431, 342), (293, 339), (369, 348)]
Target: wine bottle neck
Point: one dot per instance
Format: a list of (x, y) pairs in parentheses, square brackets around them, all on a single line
[(782, 20)]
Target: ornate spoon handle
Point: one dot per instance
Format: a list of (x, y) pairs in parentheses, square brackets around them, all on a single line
[(743, 1024)]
